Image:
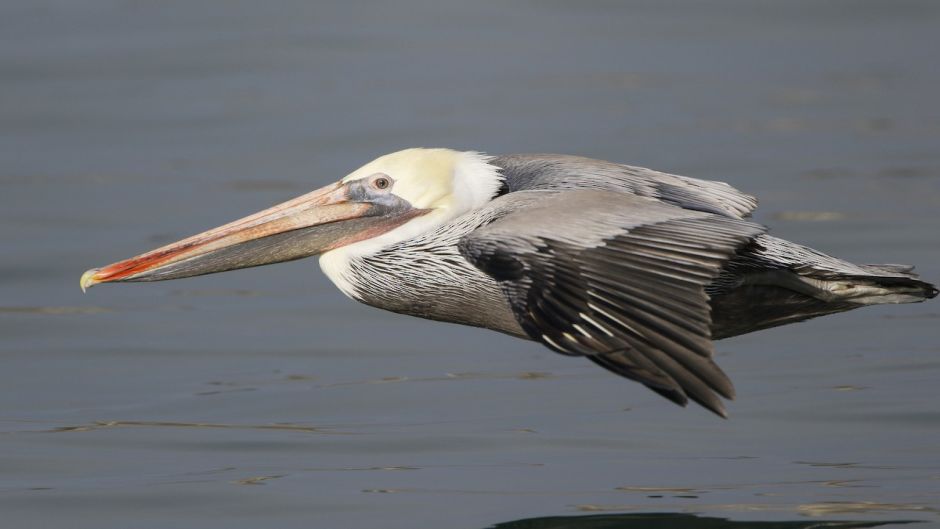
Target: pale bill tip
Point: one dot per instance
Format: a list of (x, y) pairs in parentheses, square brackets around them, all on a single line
[(88, 279)]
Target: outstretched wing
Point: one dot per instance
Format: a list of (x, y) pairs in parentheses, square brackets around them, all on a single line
[(617, 278), (524, 172)]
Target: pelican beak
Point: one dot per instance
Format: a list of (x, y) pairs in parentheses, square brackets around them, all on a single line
[(307, 225)]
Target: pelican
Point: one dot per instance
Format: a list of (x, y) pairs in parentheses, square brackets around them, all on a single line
[(634, 269)]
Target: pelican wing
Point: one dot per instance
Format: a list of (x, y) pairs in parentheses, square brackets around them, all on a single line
[(560, 172), (617, 278)]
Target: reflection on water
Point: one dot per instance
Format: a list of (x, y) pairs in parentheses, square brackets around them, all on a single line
[(673, 521)]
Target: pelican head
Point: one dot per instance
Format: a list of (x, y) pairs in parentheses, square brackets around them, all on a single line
[(392, 198)]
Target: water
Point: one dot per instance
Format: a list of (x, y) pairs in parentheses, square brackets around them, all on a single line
[(264, 398)]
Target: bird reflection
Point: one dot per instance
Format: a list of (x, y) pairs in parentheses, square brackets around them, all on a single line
[(675, 521)]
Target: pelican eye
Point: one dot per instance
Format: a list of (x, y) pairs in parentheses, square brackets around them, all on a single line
[(381, 182)]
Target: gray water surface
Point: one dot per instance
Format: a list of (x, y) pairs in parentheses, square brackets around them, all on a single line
[(264, 398)]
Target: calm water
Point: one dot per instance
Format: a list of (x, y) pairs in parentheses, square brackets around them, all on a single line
[(264, 398)]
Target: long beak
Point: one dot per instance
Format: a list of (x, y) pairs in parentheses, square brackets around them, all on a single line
[(305, 226)]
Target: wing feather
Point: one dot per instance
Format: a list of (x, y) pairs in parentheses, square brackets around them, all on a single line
[(619, 279), (560, 172)]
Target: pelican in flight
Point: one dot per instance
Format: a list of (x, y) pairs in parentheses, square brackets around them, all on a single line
[(634, 269)]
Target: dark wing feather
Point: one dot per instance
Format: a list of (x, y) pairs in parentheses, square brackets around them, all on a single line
[(619, 279)]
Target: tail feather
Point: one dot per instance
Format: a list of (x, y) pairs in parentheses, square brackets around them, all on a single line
[(901, 278), (899, 269), (774, 282), (872, 290)]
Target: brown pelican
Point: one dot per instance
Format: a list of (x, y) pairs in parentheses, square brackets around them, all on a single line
[(635, 269)]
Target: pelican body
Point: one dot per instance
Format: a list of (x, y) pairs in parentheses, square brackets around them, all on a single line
[(634, 269)]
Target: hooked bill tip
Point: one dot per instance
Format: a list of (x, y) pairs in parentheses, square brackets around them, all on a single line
[(88, 279)]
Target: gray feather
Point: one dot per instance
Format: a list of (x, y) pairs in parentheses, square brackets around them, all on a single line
[(560, 172), (618, 278)]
